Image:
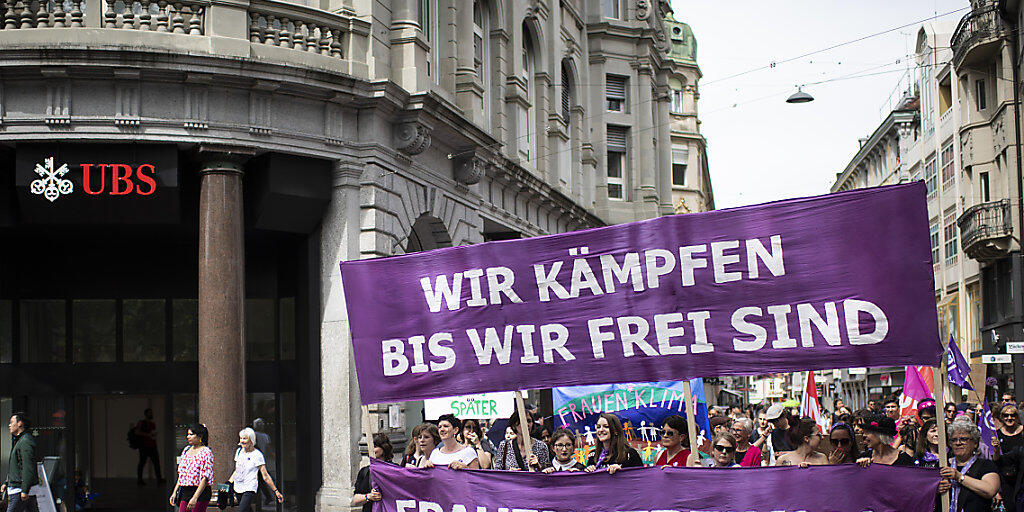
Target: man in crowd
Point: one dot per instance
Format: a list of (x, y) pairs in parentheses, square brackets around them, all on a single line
[(145, 432), (874, 407), (892, 409), (21, 474)]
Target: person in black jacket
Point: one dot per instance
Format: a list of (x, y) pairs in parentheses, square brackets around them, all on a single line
[(21, 474), (365, 493), (612, 452)]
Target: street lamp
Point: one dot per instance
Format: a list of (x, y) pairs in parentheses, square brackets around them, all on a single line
[(799, 97)]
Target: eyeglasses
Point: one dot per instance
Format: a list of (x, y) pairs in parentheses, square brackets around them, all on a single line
[(669, 433), (725, 449), (563, 445), (959, 440), (841, 442), (1010, 416)]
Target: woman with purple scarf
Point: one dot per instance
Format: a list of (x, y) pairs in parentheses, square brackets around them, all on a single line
[(971, 480)]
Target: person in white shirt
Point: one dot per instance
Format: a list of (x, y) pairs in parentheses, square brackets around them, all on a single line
[(249, 466), (450, 452)]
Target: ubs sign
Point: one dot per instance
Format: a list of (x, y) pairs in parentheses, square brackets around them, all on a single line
[(106, 183)]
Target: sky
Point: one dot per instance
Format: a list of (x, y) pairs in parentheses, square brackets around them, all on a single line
[(761, 148)]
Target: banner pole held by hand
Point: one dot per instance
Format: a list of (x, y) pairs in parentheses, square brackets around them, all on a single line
[(939, 376), (525, 428), (691, 420)]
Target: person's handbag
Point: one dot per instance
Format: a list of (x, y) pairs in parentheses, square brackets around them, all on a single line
[(226, 496)]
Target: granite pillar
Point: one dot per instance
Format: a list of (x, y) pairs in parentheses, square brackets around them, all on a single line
[(340, 424), (221, 304)]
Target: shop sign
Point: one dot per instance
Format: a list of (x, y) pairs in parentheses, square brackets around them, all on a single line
[(996, 358), (885, 379), (104, 183), (858, 371), (1015, 347)]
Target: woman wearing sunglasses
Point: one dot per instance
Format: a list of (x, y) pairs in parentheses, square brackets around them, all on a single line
[(1006, 441), (723, 453), (971, 480), (844, 444), (673, 439)]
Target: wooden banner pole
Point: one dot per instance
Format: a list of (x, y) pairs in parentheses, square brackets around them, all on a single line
[(939, 376), (368, 431), (524, 428), (691, 420)]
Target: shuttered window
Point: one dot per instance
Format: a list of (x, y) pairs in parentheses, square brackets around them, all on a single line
[(617, 138), (566, 99), (616, 92)]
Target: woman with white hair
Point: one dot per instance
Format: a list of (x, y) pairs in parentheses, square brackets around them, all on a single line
[(971, 480), (879, 432), (249, 466)]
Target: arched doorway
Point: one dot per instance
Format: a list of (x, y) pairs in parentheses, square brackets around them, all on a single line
[(428, 232)]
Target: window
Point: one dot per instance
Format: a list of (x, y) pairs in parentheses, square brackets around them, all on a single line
[(933, 229), (983, 183), (478, 39), (677, 101), (184, 329), (979, 88), (948, 172), (617, 142), (950, 235), (679, 161), (930, 180), (144, 330), (6, 332), (95, 330), (481, 54), (43, 338), (611, 9), (566, 95), (616, 92), (527, 113)]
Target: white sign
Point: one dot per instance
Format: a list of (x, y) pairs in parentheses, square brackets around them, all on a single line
[(885, 379), (1015, 347), (481, 406), (837, 374), (858, 371), (996, 358)]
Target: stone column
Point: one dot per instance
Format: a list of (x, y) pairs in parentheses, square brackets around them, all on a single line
[(642, 136), (664, 135), (221, 302), (340, 422)]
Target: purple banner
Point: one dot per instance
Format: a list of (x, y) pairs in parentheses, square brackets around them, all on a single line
[(835, 281), (844, 488)]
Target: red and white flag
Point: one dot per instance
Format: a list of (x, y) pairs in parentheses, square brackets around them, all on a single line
[(917, 385), (809, 404)]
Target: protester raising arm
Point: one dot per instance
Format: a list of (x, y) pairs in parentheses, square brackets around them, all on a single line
[(474, 438), (806, 454)]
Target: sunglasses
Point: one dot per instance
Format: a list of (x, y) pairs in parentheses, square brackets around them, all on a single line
[(841, 442), (1010, 416), (725, 449), (959, 440), (669, 433)]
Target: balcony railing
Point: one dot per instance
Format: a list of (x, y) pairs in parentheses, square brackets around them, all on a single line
[(986, 230), (977, 26)]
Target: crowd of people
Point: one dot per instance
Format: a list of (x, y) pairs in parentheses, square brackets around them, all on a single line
[(767, 436)]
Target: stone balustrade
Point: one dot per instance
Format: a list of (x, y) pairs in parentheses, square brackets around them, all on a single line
[(177, 17), (297, 27)]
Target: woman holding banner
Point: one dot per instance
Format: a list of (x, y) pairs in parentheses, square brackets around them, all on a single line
[(971, 480), (564, 443), (673, 439), (451, 452), (424, 439), (614, 453), (510, 451), (806, 453)]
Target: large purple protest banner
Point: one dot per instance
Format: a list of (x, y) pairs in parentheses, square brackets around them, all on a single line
[(835, 281), (843, 488)]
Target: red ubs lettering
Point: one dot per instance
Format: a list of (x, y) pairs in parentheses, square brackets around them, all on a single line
[(124, 179)]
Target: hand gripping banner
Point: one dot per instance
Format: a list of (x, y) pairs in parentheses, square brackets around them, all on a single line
[(834, 281), (779, 489)]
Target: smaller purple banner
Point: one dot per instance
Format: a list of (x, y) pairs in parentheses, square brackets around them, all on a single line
[(844, 488), (834, 281)]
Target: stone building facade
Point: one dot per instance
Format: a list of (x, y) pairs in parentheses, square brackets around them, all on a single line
[(183, 178)]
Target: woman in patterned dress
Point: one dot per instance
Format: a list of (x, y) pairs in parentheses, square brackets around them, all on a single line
[(195, 472)]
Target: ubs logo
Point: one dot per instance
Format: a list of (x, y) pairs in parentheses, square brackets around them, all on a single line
[(124, 180)]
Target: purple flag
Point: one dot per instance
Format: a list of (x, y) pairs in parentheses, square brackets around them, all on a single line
[(803, 284), (957, 370), (988, 430), (841, 488)]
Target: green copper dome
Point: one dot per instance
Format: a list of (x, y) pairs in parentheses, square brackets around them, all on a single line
[(684, 46)]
